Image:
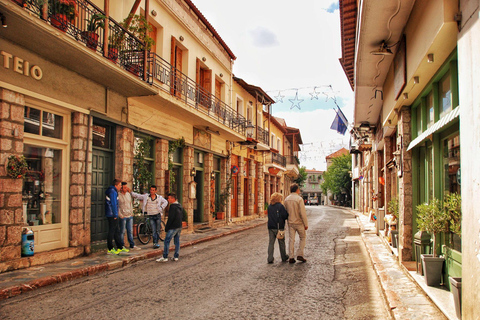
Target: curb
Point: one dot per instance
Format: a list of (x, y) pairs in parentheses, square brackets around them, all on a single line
[(107, 266)]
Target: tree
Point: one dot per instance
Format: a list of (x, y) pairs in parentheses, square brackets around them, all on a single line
[(302, 176), (337, 178)]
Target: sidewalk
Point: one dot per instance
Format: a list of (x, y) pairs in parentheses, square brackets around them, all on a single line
[(407, 295), (16, 282)]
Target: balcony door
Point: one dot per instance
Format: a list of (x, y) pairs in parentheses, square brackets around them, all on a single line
[(176, 58), (204, 84)]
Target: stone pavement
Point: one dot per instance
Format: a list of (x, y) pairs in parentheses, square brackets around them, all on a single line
[(405, 297)]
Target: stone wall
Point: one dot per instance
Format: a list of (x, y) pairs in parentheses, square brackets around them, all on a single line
[(124, 144), (11, 143), (161, 165), (187, 202)]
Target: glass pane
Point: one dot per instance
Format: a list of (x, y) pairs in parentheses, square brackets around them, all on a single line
[(32, 120), (445, 95), (177, 156), (52, 125), (216, 164), (430, 112), (419, 120), (451, 163), (101, 137), (41, 186)]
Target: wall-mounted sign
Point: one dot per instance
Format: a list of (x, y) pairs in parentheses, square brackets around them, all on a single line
[(21, 66)]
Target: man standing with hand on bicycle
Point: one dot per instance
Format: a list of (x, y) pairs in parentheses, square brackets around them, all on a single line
[(153, 205), (173, 228)]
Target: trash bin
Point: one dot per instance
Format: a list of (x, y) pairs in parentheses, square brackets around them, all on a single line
[(27, 242)]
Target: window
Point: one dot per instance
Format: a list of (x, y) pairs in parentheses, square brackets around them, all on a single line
[(445, 95), (143, 163), (419, 120), (43, 123), (279, 145), (451, 176), (430, 110), (273, 141)]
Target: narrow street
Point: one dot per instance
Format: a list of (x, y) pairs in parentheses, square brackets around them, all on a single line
[(227, 278)]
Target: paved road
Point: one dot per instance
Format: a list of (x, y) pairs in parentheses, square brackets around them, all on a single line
[(227, 278)]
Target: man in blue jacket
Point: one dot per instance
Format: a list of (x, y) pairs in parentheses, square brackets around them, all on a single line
[(111, 212)]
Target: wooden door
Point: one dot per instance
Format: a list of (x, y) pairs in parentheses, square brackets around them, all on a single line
[(176, 57), (234, 205), (102, 177)]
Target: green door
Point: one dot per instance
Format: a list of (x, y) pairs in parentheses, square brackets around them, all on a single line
[(102, 177)]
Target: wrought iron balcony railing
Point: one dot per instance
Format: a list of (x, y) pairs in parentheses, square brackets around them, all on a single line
[(277, 159), (292, 160), (262, 135), (127, 52)]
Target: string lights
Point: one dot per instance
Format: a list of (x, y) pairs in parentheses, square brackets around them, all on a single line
[(314, 94)]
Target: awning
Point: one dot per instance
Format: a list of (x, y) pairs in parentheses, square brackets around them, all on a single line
[(449, 117)]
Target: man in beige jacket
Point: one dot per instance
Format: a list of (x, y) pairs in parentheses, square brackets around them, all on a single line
[(297, 222)]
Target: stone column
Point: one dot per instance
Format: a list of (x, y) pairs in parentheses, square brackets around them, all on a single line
[(225, 175), (11, 143), (260, 186), (80, 181), (251, 186), (187, 202), (388, 181), (405, 252), (240, 184), (161, 165), (124, 154)]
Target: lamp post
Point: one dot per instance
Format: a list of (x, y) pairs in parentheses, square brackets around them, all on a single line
[(249, 130)]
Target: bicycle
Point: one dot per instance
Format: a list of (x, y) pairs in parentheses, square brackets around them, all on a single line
[(145, 232)]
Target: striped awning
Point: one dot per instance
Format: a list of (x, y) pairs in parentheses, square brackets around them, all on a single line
[(449, 117)]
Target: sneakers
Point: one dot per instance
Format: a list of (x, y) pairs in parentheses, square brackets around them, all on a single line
[(156, 246), (291, 260), (174, 259), (123, 250), (113, 251), (162, 259), (302, 259), (135, 248)]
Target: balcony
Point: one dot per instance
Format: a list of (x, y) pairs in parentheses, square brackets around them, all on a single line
[(115, 60), (292, 164), (275, 163)]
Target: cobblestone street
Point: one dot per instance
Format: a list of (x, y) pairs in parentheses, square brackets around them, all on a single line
[(228, 278)]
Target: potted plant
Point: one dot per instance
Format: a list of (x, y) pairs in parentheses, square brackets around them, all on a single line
[(138, 26), (453, 207), (431, 217), (115, 43), (90, 36), (393, 207), (62, 13), (223, 199)]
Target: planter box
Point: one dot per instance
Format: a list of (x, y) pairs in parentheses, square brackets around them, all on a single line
[(220, 215), (432, 269), (456, 289)]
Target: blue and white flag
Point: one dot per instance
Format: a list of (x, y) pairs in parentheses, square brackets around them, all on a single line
[(340, 123)]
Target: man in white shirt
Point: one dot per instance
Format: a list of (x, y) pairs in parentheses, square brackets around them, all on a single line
[(125, 213), (153, 205)]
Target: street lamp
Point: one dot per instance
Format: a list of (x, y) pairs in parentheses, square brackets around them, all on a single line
[(249, 129)]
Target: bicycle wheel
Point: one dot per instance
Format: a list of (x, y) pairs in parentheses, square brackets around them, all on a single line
[(162, 231), (143, 233)]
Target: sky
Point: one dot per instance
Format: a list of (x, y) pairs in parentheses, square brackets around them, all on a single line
[(291, 50)]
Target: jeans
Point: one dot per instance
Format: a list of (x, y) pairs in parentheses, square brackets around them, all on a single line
[(114, 233), (127, 223), (175, 233), (272, 236), (156, 223)]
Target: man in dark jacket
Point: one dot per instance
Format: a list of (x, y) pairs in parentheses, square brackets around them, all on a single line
[(111, 212), (173, 227)]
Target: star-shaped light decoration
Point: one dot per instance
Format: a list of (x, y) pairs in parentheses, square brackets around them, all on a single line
[(295, 102), (279, 98), (314, 94)]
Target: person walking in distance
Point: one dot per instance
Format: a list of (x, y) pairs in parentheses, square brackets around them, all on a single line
[(277, 214), (125, 213), (297, 222), (153, 205), (111, 212), (173, 228)]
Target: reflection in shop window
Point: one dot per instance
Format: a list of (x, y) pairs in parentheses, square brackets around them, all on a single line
[(41, 192), (451, 163), (51, 125)]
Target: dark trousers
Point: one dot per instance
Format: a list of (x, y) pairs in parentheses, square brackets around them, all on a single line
[(114, 233)]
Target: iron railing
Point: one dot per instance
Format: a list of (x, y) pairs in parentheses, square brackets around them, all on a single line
[(292, 160), (262, 135), (127, 52), (278, 159)]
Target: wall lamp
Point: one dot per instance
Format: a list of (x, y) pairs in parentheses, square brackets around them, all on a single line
[(193, 172), (430, 58), (212, 176)]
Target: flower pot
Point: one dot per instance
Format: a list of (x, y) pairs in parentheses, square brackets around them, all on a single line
[(220, 215), (432, 269), (91, 39), (59, 21), (184, 224), (113, 54), (456, 289), (133, 68)]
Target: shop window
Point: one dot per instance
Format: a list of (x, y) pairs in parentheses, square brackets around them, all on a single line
[(41, 192), (101, 136), (451, 164), (143, 164), (445, 95), (430, 110)]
